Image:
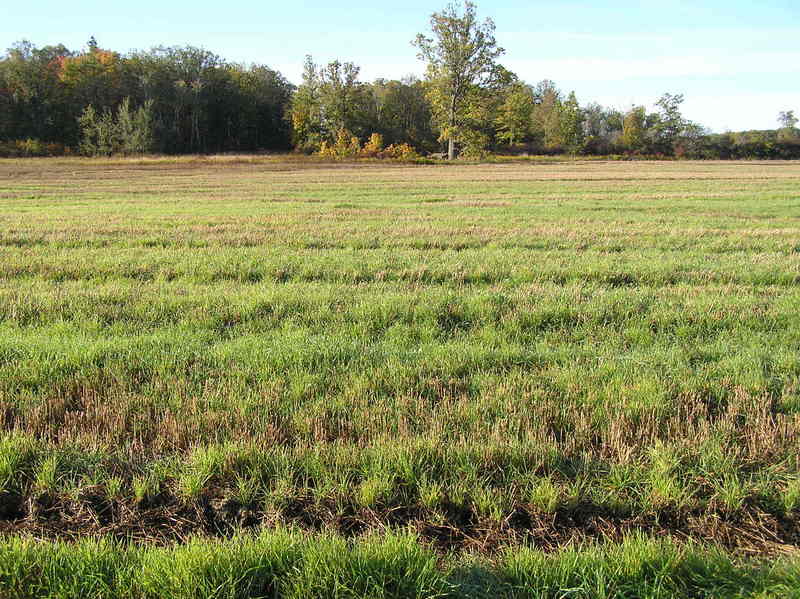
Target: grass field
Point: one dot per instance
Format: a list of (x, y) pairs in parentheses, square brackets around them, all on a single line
[(571, 379)]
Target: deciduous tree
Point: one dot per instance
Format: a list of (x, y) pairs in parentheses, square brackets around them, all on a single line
[(571, 120), (461, 54), (634, 129), (787, 119), (669, 124), (788, 131), (515, 113)]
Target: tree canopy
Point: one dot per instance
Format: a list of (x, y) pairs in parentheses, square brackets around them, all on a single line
[(172, 99), (461, 57)]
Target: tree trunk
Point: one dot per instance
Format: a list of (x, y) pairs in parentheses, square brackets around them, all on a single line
[(451, 144)]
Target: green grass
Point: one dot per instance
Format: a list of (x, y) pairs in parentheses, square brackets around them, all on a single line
[(289, 565), (503, 355)]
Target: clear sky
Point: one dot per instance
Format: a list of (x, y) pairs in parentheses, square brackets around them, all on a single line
[(736, 61)]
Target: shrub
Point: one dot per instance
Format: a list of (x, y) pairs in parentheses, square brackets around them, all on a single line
[(373, 147), (346, 146), (399, 152), (25, 148), (128, 132)]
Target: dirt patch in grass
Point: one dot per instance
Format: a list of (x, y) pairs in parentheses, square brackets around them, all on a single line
[(165, 520)]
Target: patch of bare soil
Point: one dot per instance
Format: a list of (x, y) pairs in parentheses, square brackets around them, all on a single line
[(166, 520)]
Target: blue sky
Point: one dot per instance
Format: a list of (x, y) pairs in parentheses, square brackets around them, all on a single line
[(736, 61)]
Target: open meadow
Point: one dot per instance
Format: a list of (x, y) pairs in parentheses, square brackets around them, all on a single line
[(247, 377)]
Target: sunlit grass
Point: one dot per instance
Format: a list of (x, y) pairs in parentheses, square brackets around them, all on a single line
[(452, 347), (287, 564)]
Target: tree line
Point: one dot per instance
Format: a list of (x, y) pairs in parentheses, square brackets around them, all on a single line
[(175, 100), (188, 100)]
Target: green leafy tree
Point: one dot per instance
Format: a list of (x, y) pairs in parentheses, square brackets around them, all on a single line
[(787, 119), (98, 132), (402, 114), (669, 123), (346, 103), (126, 132), (634, 129), (515, 113), (134, 128), (330, 100), (461, 54), (255, 109), (33, 100), (690, 142), (788, 131), (477, 128), (306, 112), (95, 77), (602, 128), (547, 114), (571, 120)]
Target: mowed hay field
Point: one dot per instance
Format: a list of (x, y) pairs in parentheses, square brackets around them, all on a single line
[(244, 377)]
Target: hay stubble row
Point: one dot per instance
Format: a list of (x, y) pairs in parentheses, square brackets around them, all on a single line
[(521, 353)]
